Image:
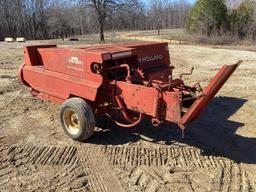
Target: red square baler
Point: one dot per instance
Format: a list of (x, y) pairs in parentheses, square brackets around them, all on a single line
[(126, 81)]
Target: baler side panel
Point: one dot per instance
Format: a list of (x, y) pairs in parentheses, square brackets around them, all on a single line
[(59, 85), (73, 62)]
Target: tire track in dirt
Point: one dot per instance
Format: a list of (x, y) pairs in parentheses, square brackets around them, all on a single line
[(191, 179), (140, 167), (100, 173), (78, 178), (231, 177), (148, 179), (48, 155), (185, 156), (61, 163)]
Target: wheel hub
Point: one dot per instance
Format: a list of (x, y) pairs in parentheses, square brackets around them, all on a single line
[(71, 121)]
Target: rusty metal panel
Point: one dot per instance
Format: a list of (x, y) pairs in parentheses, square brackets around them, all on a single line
[(142, 99)]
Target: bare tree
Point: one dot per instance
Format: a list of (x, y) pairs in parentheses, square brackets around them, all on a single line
[(157, 13), (103, 9)]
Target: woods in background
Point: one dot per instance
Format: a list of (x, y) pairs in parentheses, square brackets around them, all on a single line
[(44, 19), (214, 18)]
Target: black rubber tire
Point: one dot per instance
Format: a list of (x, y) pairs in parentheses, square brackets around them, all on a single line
[(85, 115)]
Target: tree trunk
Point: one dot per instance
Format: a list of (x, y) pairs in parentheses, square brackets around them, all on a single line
[(81, 26), (158, 30), (101, 26)]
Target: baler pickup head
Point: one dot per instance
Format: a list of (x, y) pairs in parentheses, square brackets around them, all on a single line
[(209, 92)]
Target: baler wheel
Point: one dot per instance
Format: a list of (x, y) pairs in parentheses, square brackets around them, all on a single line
[(77, 119)]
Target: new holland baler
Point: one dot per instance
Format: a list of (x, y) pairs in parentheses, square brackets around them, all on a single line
[(127, 82)]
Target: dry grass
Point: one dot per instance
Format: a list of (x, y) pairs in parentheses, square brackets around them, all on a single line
[(186, 38)]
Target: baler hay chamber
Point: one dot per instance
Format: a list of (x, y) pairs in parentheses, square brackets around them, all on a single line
[(126, 82)]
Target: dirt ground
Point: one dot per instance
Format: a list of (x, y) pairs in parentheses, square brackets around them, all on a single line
[(217, 154)]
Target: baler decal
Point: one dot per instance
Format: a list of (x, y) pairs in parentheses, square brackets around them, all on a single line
[(75, 63), (150, 58)]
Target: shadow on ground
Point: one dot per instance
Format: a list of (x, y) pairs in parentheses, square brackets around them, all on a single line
[(212, 131)]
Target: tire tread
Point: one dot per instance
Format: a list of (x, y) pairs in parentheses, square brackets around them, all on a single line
[(84, 110)]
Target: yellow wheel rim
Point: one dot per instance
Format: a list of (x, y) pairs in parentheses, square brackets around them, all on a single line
[(71, 121)]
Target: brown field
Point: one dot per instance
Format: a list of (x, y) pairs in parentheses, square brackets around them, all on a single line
[(217, 154)]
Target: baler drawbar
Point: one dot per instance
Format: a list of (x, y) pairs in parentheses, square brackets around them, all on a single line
[(127, 82)]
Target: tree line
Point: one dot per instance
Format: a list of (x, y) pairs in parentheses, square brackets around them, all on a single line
[(45, 19), (215, 18)]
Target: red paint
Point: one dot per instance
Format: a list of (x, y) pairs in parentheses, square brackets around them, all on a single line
[(134, 77)]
